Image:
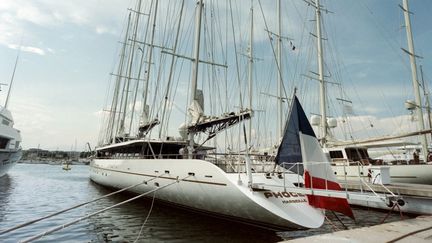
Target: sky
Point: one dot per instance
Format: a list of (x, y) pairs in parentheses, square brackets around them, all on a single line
[(69, 49)]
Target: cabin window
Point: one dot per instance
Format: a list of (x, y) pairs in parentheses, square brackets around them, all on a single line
[(3, 142), (356, 154), (5, 122), (337, 154), (17, 144)]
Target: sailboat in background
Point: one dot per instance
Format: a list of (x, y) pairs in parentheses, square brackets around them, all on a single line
[(350, 159), (234, 185), (10, 137)]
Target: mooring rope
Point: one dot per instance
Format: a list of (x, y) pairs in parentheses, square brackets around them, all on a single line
[(391, 210), (97, 212), (340, 221), (73, 207), (145, 221), (335, 228), (409, 234)]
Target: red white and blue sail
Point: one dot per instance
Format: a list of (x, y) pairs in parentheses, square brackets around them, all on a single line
[(301, 152)]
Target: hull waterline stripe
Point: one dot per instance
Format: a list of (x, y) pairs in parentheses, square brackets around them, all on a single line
[(162, 177)]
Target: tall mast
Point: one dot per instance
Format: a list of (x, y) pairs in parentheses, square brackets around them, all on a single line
[(149, 61), (321, 74), (171, 69), (426, 96), (113, 110), (279, 73), (195, 66), (129, 73), (250, 68), (141, 66), (12, 79), (414, 78)]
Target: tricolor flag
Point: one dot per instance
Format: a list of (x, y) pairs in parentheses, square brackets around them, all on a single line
[(300, 144)]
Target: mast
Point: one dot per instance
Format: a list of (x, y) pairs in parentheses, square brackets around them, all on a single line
[(129, 72), (171, 69), (426, 95), (12, 79), (195, 66), (279, 73), (113, 110), (321, 75), (250, 68), (416, 85), (149, 61), (140, 67)]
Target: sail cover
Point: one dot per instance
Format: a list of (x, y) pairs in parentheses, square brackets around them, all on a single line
[(299, 144)]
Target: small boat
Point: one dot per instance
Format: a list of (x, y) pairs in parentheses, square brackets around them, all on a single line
[(66, 166)]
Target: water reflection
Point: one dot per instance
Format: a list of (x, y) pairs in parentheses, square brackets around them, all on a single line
[(6, 186), (32, 191), (167, 223)]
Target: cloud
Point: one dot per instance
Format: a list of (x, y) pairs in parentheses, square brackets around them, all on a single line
[(105, 30), (30, 49), (33, 14), (22, 16), (32, 118), (50, 126), (363, 127), (370, 109)]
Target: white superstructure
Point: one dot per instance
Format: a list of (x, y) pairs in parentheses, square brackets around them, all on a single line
[(352, 162), (10, 137), (10, 142)]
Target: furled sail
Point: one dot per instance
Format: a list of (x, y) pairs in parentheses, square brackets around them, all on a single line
[(299, 144)]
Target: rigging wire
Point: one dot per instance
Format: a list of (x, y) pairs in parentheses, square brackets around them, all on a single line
[(103, 130), (175, 90), (171, 71), (273, 52)]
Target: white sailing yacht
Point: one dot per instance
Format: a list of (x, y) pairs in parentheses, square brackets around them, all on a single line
[(10, 137), (350, 159), (192, 175)]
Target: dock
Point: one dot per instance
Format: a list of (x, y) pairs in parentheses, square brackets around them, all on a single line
[(417, 230), (417, 197)]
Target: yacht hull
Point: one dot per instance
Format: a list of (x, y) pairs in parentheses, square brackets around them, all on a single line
[(417, 174), (8, 159), (204, 187)]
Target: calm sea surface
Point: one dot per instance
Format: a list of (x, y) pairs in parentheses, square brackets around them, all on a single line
[(30, 191)]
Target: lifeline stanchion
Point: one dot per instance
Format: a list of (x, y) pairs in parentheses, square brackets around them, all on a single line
[(97, 212), (73, 207)]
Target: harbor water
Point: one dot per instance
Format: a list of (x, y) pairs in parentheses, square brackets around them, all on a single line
[(31, 191)]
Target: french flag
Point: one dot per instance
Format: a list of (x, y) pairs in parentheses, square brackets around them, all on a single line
[(300, 144)]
